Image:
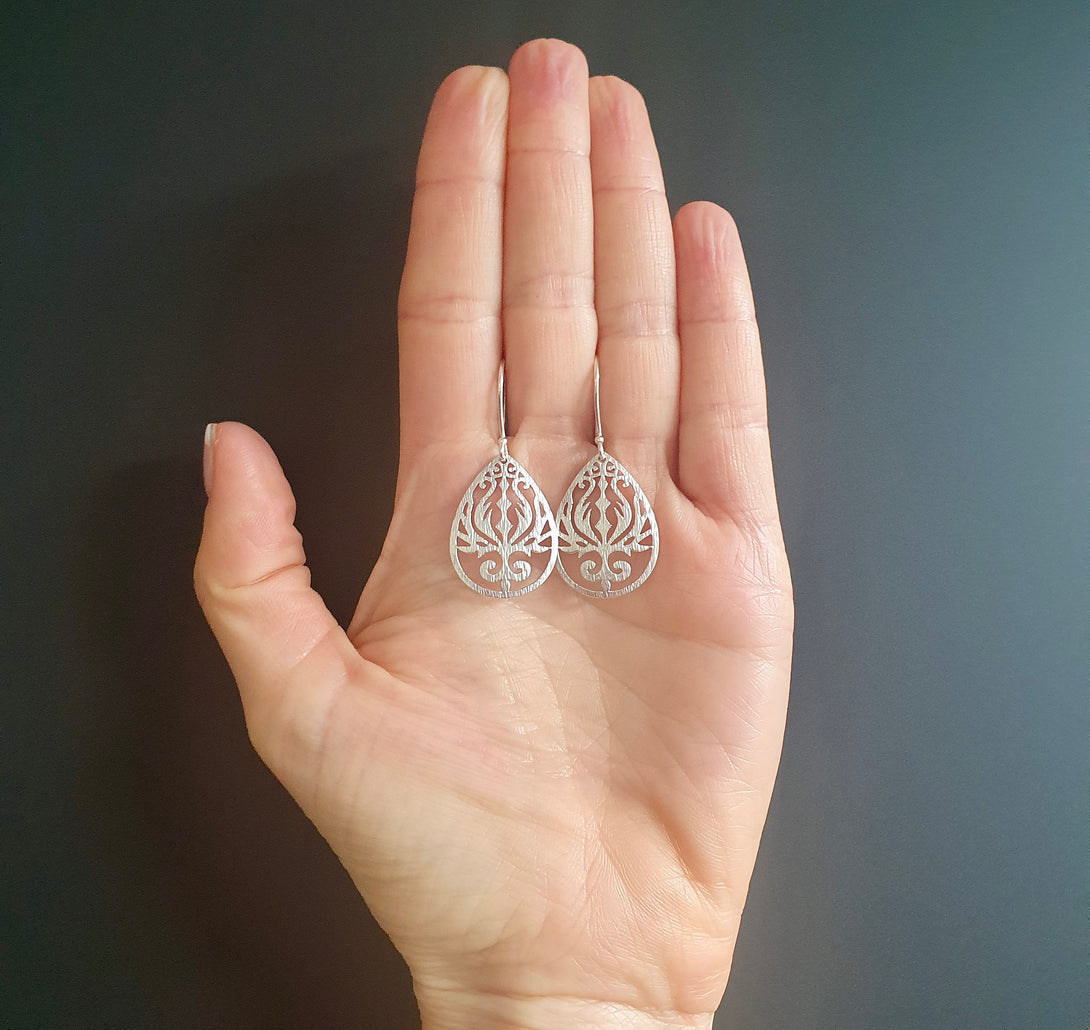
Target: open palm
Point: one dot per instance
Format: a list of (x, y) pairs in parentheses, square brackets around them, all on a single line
[(552, 803)]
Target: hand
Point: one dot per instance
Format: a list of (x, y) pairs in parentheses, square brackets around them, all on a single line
[(551, 803)]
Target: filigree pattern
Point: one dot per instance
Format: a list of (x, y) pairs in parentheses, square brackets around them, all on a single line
[(503, 539), (609, 540)]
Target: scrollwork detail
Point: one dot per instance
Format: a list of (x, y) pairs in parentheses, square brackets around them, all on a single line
[(608, 534), (502, 525)]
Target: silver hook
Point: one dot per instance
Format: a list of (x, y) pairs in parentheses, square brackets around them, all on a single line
[(503, 413), (598, 438)]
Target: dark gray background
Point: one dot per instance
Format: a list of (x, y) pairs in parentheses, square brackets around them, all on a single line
[(205, 211)]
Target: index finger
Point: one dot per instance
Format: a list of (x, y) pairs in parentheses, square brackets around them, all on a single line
[(449, 302)]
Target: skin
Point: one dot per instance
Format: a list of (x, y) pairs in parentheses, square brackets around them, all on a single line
[(551, 803)]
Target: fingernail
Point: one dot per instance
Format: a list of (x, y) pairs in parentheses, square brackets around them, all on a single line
[(209, 455)]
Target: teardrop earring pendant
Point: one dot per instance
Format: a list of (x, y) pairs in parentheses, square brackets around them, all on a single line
[(503, 540), (609, 540)]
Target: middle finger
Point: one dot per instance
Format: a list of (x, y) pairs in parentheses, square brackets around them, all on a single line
[(549, 324)]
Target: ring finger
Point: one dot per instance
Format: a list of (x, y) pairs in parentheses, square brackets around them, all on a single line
[(635, 293)]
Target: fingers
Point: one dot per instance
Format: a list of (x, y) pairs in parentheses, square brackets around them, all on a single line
[(724, 460), (548, 301), (540, 202), (634, 280), (449, 303), (254, 587)]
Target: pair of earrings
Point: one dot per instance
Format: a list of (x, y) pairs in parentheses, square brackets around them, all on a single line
[(504, 541)]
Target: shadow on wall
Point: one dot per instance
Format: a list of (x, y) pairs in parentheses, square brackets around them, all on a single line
[(237, 912)]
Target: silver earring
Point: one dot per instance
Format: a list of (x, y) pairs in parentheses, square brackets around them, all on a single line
[(609, 540), (503, 538)]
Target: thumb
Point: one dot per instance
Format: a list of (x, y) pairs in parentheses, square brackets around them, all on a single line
[(288, 653)]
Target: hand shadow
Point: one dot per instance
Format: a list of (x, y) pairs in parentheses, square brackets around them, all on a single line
[(236, 912)]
